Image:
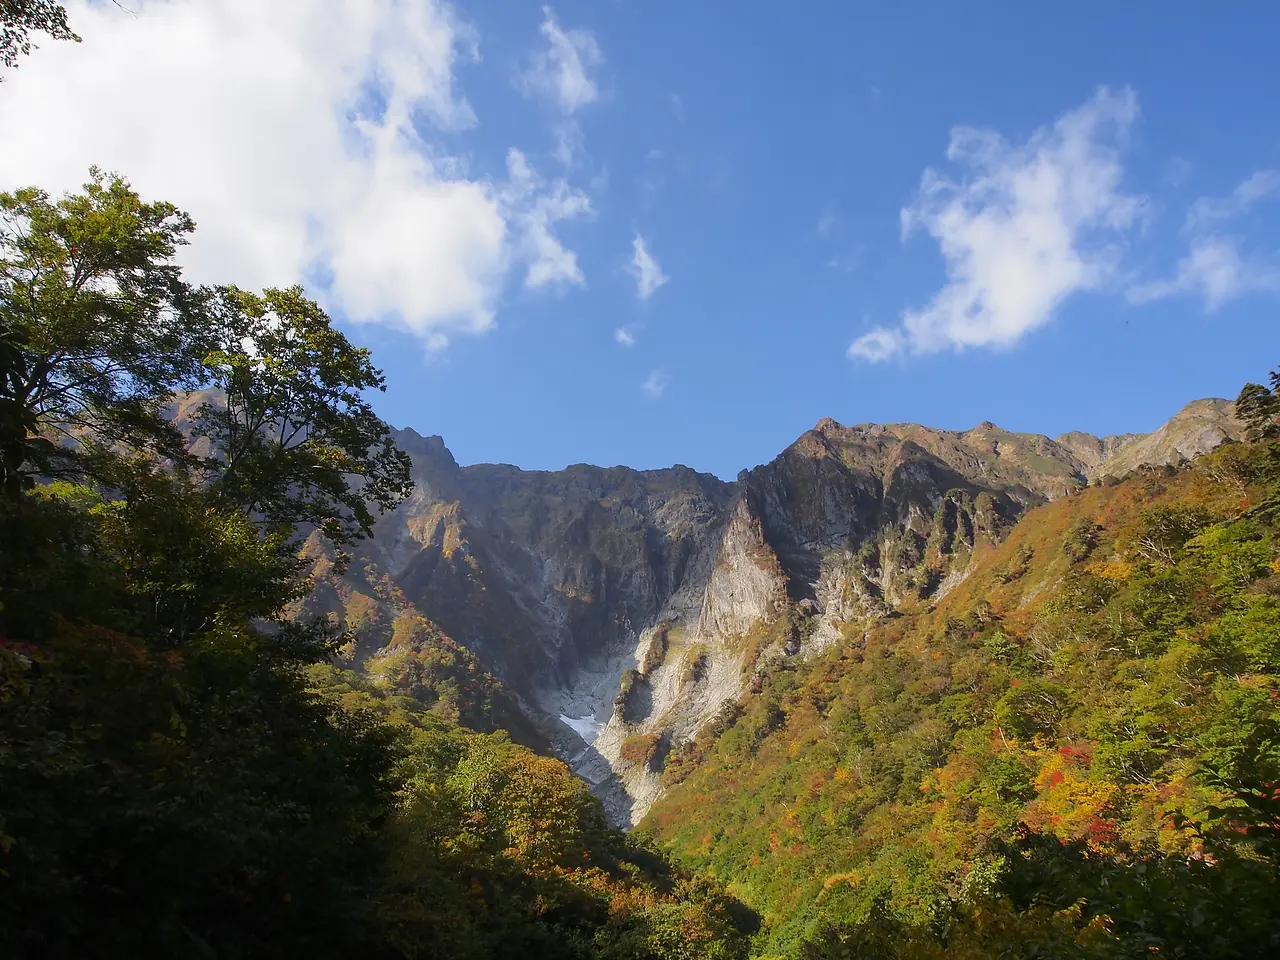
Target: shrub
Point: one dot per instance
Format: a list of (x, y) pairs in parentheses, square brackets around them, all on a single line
[(641, 748)]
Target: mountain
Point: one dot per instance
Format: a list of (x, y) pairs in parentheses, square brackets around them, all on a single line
[(619, 612)]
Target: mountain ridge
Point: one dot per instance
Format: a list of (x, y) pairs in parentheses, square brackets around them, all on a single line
[(625, 609), (1091, 450)]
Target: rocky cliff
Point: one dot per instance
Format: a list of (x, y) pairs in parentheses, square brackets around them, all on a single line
[(623, 609)]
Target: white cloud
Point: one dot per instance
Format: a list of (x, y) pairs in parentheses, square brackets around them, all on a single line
[(624, 337), (645, 269), (536, 207), (655, 385), (879, 344), (1021, 229), (1214, 268), (562, 73), (1208, 212), (295, 133)]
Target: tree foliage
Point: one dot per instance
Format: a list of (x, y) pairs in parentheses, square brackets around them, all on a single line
[(20, 18), (294, 441), (104, 327)]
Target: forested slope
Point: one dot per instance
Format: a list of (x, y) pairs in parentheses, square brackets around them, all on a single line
[(1104, 678)]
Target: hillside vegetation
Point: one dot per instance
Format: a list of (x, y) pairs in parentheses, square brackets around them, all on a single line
[(1074, 754)]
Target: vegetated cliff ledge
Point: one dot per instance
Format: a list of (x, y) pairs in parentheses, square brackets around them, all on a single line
[(621, 610)]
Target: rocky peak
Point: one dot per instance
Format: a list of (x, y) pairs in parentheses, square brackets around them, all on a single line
[(1197, 428), (430, 450)]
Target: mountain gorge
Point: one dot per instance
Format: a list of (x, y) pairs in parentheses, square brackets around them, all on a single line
[(611, 614)]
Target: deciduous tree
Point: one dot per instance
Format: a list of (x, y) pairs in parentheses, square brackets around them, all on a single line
[(294, 439), (100, 326)]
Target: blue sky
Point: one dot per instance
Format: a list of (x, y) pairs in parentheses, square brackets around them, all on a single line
[(464, 187)]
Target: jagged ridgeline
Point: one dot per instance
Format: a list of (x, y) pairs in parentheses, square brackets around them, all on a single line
[(625, 614)]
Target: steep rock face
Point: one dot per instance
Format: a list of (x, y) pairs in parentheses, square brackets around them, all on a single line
[(542, 572), (866, 518), (690, 663), (624, 609)]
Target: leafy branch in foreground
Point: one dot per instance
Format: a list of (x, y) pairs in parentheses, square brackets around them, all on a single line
[(100, 328), (294, 440), (100, 334), (20, 18)]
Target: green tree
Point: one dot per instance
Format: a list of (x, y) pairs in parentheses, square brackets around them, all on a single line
[(294, 441), (104, 325), (19, 443), (1259, 408), (20, 18), (171, 788)]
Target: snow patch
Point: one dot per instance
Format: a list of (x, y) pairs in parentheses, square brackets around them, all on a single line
[(588, 727)]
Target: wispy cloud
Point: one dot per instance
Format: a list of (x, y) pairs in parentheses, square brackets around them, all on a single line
[(1021, 228), (848, 261), (624, 337), (1209, 212), (563, 72), (879, 344), (677, 106), (536, 208), (1214, 268), (655, 385), (645, 269), (563, 75), (827, 221), (570, 142)]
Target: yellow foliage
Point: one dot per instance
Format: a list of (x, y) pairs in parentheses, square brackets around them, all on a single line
[(1117, 569)]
